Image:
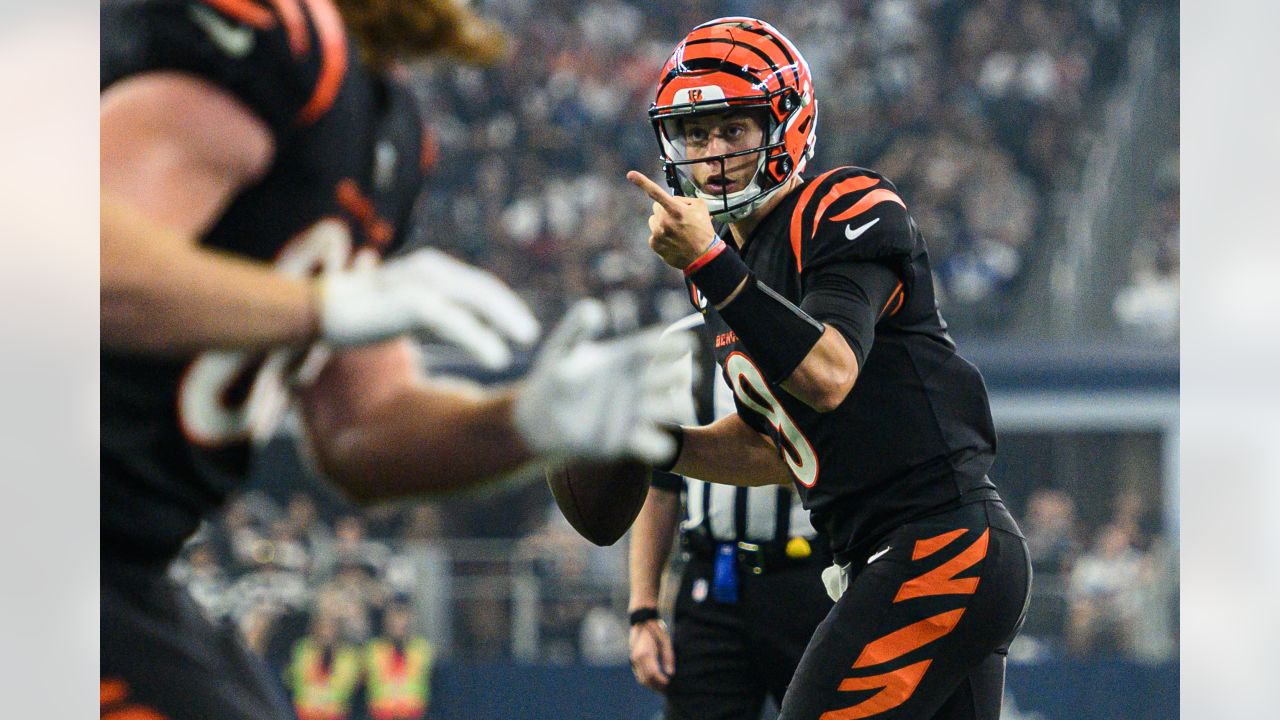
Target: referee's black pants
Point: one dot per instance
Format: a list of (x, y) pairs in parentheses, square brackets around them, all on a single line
[(729, 657)]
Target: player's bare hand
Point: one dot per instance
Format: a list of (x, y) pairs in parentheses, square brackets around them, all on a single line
[(652, 658), (680, 228)]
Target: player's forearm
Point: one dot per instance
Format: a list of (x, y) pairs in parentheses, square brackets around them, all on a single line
[(162, 294), (424, 439), (651, 539), (730, 452)]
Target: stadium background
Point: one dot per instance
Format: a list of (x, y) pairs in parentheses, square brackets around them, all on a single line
[(1037, 145)]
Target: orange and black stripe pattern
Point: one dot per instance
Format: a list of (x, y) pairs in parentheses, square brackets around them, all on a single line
[(113, 703), (895, 686), (824, 191), (299, 18)]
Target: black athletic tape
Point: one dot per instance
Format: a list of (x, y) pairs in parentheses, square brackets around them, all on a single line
[(718, 275), (677, 432), (642, 615)]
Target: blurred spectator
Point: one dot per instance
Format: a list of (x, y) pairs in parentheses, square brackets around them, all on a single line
[(1052, 536), (398, 666), (198, 569), (1105, 599), (324, 671)]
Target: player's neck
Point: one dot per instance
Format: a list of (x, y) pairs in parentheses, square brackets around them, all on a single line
[(743, 228)]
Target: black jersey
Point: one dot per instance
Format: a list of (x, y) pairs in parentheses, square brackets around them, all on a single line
[(349, 164), (915, 434)]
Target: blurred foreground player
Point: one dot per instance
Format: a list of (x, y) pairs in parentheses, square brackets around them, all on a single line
[(246, 148), (821, 299)]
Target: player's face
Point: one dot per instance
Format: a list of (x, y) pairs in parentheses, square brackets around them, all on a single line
[(713, 135)]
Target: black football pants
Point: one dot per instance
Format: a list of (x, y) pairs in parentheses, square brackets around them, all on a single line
[(922, 631), (730, 657), (161, 659)]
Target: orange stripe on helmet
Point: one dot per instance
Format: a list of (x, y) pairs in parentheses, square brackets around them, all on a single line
[(868, 201), (797, 215), (333, 60), (942, 580), (895, 688), (842, 188), (246, 11), (295, 25), (928, 546), (904, 640)]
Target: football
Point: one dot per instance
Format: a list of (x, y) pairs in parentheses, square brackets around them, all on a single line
[(599, 499)]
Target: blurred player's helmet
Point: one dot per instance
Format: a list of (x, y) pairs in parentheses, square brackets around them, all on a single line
[(736, 63)]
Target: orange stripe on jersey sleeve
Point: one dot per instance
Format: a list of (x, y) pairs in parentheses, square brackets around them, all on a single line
[(842, 188), (868, 201), (797, 215), (902, 298), (246, 11), (904, 640), (896, 294), (333, 60), (295, 25)]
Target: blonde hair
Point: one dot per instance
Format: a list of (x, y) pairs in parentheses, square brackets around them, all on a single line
[(389, 30)]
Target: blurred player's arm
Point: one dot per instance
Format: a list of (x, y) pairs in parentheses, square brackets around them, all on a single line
[(731, 452), (380, 429), (652, 656), (174, 151)]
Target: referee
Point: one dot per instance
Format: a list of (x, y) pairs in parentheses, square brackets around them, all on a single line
[(750, 594)]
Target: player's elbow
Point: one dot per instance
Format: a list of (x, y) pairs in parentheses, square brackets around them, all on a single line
[(341, 458), (828, 388)]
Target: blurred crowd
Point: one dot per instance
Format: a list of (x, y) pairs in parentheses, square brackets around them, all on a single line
[(1108, 591), (980, 111)]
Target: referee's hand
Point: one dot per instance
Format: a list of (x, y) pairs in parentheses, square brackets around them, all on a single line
[(652, 659)]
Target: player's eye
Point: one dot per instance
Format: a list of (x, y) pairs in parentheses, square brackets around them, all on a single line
[(695, 135)]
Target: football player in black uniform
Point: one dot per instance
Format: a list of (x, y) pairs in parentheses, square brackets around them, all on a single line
[(846, 383), (256, 164)]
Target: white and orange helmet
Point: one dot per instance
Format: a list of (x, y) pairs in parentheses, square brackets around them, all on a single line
[(737, 63)]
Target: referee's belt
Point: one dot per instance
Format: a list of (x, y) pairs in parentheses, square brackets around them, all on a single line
[(761, 557)]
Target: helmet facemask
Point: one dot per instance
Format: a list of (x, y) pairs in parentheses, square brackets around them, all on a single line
[(772, 152)]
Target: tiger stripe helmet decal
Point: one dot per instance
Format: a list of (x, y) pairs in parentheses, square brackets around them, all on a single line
[(737, 63)]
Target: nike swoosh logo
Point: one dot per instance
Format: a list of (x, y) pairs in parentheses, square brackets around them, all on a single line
[(850, 233), (875, 557), (235, 40)]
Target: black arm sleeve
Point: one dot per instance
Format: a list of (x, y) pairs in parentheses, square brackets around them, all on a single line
[(851, 297)]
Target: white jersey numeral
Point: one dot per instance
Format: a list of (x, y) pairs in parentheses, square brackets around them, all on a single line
[(211, 411), (752, 389)]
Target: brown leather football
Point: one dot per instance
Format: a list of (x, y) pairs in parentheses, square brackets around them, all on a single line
[(599, 499)]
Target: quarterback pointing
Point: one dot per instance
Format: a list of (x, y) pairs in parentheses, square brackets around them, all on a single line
[(846, 381)]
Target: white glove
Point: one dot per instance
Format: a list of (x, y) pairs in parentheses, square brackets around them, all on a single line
[(603, 400), (425, 293)]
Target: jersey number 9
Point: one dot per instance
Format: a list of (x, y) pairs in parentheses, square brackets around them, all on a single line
[(753, 391)]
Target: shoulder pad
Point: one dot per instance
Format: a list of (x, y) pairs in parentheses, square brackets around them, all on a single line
[(849, 213), (284, 59)]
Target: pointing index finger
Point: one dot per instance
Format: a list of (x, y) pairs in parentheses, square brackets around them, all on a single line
[(653, 190)]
